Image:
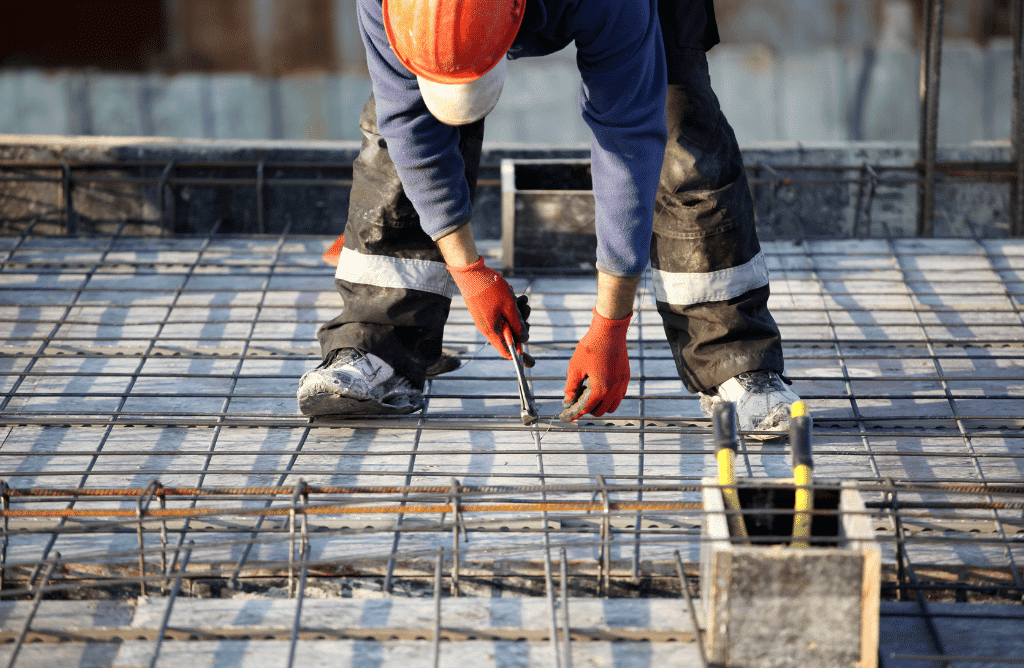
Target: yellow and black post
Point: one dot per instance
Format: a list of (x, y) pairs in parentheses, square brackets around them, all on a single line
[(726, 444), (803, 473)]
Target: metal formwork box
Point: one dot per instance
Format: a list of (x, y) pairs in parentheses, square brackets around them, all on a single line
[(547, 214), (770, 604)]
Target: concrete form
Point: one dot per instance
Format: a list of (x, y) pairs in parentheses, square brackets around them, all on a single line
[(767, 603)]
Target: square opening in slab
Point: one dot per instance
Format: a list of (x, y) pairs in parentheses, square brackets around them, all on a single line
[(775, 528)]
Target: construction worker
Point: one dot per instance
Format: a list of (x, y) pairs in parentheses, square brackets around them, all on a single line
[(675, 193)]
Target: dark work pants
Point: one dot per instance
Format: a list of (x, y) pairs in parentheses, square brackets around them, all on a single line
[(704, 223), (402, 326)]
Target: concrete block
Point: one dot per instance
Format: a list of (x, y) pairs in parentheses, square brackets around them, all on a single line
[(998, 86), (116, 105), (304, 101), (813, 97), (180, 106), (349, 96), (8, 113), (769, 604), (745, 79), (539, 103), (33, 102), (242, 108), (962, 93), (797, 25), (891, 106)]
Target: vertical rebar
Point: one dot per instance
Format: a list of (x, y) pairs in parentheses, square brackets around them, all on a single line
[(639, 518), (232, 582), (546, 528), (5, 501), (162, 190), (298, 497), (165, 582), (170, 604), (552, 614), (931, 71), (868, 179), (140, 512), (36, 600), (438, 564), (855, 232), (922, 600), (456, 527), (390, 570), (872, 191), (261, 226), (1017, 122), (301, 595), (70, 222), (604, 557), (684, 586), (566, 632)]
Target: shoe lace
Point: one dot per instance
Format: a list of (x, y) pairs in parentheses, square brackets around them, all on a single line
[(759, 380), (350, 354), (329, 358)]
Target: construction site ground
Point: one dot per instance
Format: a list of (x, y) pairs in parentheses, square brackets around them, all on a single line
[(165, 503)]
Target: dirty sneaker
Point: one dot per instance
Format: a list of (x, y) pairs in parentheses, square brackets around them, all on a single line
[(762, 402), (356, 383)]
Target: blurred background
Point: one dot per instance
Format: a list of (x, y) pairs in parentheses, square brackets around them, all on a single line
[(788, 70)]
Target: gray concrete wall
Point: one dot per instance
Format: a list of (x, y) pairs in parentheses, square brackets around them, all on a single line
[(811, 190), (806, 96)]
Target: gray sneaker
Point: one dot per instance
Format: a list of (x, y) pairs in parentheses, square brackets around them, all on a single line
[(762, 401), (356, 383)]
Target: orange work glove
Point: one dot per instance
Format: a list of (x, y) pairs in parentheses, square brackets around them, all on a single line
[(598, 371), (493, 305)]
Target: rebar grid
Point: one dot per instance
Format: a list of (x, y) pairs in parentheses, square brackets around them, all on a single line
[(151, 441)]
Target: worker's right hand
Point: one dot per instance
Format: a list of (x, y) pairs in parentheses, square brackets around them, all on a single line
[(600, 360), (494, 306)]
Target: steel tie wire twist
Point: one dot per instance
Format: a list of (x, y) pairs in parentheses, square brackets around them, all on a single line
[(152, 489)]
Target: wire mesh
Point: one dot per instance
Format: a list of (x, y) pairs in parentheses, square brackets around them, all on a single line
[(151, 444)]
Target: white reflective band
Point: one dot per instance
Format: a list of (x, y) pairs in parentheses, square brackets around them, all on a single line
[(715, 286), (395, 272)]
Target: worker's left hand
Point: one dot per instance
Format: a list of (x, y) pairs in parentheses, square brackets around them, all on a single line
[(601, 361), (494, 306)]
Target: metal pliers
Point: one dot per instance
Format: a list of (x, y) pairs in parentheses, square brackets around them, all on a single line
[(528, 412)]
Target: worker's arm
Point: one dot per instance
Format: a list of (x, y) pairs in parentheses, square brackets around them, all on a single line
[(615, 295), (459, 247), (600, 360), (622, 100), (488, 296)]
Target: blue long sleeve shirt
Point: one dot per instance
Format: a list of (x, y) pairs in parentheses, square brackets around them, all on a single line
[(621, 60)]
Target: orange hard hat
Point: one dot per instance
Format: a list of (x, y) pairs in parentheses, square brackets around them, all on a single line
[(452, 41)]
